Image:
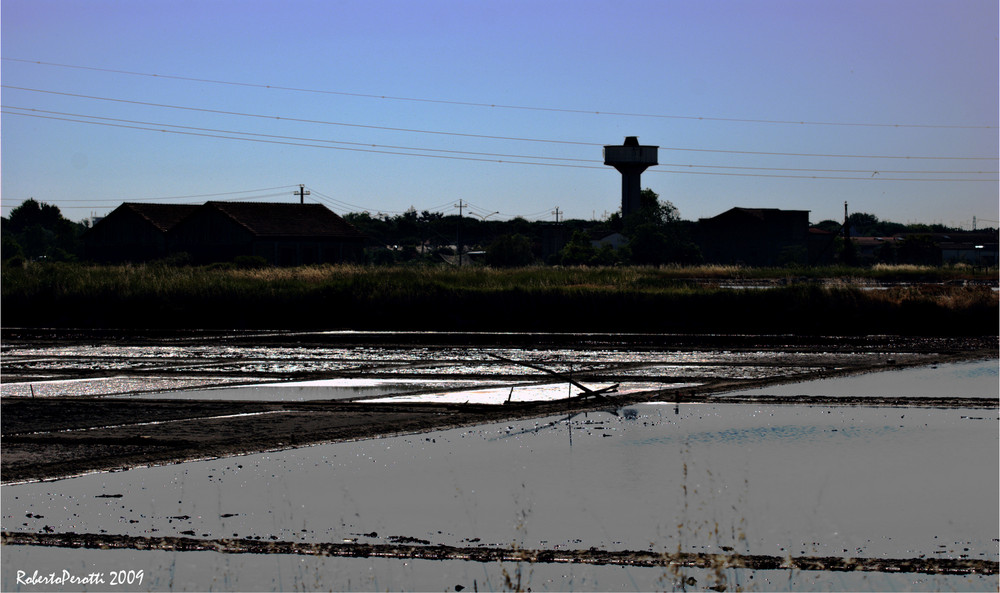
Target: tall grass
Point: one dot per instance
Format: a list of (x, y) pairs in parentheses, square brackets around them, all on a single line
[(628, 299)]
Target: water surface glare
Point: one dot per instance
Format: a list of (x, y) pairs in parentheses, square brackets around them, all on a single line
[(778, 480), (809, 481), (977, 379), (323, 389)]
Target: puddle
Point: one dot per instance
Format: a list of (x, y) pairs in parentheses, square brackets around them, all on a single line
[(104, 386), (324, 389), (979, 379), (525, 393)]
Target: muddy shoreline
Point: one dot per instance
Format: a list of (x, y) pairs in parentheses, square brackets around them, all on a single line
[(53, 437), (485, 554)]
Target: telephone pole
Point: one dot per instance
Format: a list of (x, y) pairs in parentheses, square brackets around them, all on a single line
[(458, 232), (302, 193), (556, 212)]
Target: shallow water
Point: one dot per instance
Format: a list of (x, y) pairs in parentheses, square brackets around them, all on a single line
[(851, 481), (526, 393), (186, 571), (322, 389), (779, 480), (977, 379), (105, 386), (238, 363)]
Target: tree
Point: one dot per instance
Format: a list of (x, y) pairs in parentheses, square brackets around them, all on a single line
[(578, 251), (868, 225), (40, 230), (657, 235), (919, 249), (651, 212), (10, 249), (510, 251), (830, 226)]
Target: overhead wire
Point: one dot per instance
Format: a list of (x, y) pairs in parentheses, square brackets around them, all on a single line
[(340, 203), (503, 106), (597, 164), (481, 136), (187, 197), (283, 137), (293, 119), (291, 143)]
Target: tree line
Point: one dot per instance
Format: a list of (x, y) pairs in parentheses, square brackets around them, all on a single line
[(654, 235)]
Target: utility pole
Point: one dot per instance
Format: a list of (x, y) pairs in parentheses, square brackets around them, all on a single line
[(556, 212), (458, 232), (302, 193)]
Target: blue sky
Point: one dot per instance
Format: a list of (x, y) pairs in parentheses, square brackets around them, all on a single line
[(382, 106)]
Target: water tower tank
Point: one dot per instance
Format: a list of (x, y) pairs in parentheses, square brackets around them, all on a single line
[(631, 159)]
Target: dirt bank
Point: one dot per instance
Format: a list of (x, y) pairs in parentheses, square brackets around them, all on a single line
[(506, 554)]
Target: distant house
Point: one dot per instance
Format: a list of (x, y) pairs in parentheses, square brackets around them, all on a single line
[(973, 248), (822, 246), (283, 234), (958, 247), (134, 232), (755, 237), (615, 240), (871, 249), (980, 251)]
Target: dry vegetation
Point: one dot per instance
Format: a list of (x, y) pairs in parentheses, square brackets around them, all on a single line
[(883, 299)]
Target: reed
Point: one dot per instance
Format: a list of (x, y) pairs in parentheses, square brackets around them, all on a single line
[(627, 299)]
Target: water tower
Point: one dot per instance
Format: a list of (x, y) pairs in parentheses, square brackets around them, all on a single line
[(631, 160)]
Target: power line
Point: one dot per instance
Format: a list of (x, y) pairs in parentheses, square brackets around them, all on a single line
[(296, 138), (481, 136), (501, 106), (339, 203), (865, 171), (290, 143), (162, 198), (865, 178), (682, 165), (293, 119), (472, 158)]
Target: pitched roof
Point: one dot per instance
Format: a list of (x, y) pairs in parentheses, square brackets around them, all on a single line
[(760, 214), (162, 216), (286, 219)]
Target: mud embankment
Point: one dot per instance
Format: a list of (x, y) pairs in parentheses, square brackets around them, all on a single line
[(956, 566)]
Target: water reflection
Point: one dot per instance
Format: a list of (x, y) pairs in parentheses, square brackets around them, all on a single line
[(776, 479), (977, 379), (324, 389)]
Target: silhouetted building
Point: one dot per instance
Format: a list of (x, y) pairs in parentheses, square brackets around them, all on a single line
[(554, 238), (283, 234), (755, 237), (133, 232), (979, 250), (822, 246)]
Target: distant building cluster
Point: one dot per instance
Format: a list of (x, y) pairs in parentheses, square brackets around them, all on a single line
[(288, 234), (281, 234), (772, 237)]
